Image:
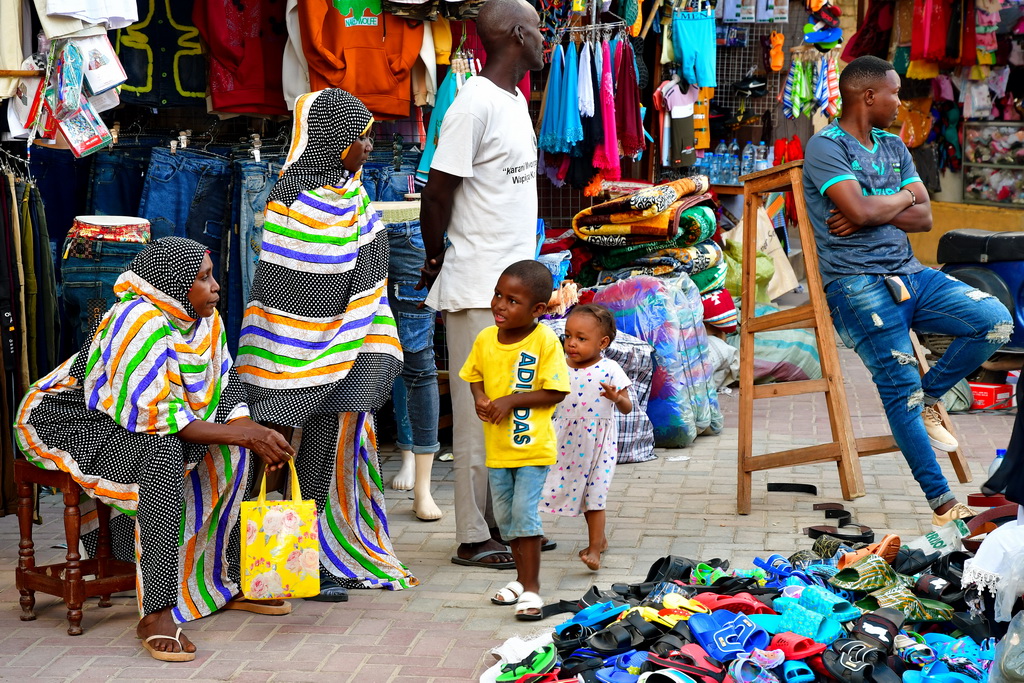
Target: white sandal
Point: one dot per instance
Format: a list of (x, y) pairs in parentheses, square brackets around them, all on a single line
[(180, 656), (527, 601), (509, 595)]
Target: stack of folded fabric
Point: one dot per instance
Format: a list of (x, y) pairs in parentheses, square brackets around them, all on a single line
[(888, 615), (662, 231)]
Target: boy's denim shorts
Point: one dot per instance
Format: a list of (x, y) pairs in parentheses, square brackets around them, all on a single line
[(515, 497)]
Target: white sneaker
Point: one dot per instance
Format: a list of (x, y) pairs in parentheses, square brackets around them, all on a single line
[(937, 434)]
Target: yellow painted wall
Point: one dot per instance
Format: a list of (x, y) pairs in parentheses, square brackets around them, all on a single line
[(947, 216)]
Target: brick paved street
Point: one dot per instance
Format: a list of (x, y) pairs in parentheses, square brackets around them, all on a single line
[(441, 630)]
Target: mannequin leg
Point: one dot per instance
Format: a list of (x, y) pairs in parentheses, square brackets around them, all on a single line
[(408, 475), (423, 505)]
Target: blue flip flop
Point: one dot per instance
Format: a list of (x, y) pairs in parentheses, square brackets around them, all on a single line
[(597, 615)]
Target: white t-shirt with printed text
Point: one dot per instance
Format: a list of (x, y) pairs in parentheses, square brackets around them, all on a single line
[(487, 139)]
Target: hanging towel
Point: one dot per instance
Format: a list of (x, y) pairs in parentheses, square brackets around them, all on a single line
[(585, 83), (572, 127), (832, 109), (606, 155), (627, 104)]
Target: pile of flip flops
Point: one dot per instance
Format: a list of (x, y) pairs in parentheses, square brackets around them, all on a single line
[(871, 613)]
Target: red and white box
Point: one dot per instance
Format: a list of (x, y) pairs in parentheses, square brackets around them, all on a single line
[(995, 396)]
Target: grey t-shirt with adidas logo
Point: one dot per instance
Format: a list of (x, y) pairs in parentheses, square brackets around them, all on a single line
[(832, 156)]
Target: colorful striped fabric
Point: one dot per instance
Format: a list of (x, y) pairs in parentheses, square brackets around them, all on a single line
[(320, 294), (148, 371)]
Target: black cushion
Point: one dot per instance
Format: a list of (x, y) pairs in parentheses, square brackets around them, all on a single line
[(980, 246)]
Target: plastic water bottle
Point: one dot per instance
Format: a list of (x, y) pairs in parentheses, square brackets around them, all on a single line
[(997, 462), (747, 164), (761, 157), (734, 163), (721, 153), (714, 168)]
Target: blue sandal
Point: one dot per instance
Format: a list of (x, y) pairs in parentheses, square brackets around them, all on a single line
[(724, 635)]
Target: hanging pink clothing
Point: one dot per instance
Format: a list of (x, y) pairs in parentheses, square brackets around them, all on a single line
[(606, 154), (473, 43)]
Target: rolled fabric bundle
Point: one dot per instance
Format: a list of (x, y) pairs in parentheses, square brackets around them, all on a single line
[(693, 225), (649, 200), (712, 278), (694, 259)]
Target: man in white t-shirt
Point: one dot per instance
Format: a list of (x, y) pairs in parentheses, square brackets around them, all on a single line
[(482, 190)]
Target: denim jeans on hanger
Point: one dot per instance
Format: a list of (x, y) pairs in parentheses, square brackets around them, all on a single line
[(118, 175), (382, 182), (257, 179), (186, 194), (63, 181), (416, 334), (89, 269)]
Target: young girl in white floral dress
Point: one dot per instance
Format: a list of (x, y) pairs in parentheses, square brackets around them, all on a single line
[(586, 427)]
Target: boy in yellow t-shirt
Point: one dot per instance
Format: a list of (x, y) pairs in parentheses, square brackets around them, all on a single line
[(517, 373)]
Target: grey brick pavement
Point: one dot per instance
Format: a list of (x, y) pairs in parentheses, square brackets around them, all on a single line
[(441, 630)]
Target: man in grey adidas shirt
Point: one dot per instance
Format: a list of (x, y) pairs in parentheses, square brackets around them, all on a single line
[(863, 196)]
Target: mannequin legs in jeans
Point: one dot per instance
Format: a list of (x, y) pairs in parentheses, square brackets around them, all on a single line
[(415, 396)]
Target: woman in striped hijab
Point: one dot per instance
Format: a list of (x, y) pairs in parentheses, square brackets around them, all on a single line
[(150, 418), (319, 346)]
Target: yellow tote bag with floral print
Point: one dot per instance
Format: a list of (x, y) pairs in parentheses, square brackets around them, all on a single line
[(280, 546)]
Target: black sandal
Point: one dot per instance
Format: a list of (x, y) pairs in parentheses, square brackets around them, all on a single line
[(330, 589), (621, 636)]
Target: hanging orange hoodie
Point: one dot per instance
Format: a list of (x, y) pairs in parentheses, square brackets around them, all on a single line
[(362, 50)]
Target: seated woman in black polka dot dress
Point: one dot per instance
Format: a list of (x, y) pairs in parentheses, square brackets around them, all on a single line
[(150, 418)]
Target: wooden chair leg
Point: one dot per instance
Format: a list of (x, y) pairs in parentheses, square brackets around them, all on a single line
[(26, 549), (103, 551), (74, 585)]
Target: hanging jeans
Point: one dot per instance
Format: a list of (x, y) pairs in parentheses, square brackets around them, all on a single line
[(89, 269), (253, 181), (416, 334), (186, 195), (383, 182), (878, 329), (63, 182), (118, 176)]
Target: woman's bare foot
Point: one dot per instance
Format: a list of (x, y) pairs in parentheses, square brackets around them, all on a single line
[(162, 624), (593, 559)]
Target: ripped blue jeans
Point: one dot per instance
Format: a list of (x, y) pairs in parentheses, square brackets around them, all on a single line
[(877, 328)]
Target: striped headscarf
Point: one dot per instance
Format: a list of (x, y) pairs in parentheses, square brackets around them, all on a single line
[(326, 124), (153, 364), (318, 334)]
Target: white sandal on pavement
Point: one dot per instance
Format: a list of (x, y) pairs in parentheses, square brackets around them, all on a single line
[(180, 656), (529, 601), (509, 595)]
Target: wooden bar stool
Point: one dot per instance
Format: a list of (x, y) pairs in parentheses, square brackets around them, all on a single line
[(65, 579), (845, 448)]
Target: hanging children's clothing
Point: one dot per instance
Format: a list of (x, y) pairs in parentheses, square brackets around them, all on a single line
[(587, 433)]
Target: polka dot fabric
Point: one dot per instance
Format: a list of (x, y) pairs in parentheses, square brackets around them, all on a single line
[(587, 433), (326, 123)]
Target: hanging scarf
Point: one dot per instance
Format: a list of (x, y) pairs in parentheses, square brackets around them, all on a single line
[(585, 83), (627, 103), (332, 120), (572, 127), (153, 364), (549, 130), (606, 155), (319, 336)]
